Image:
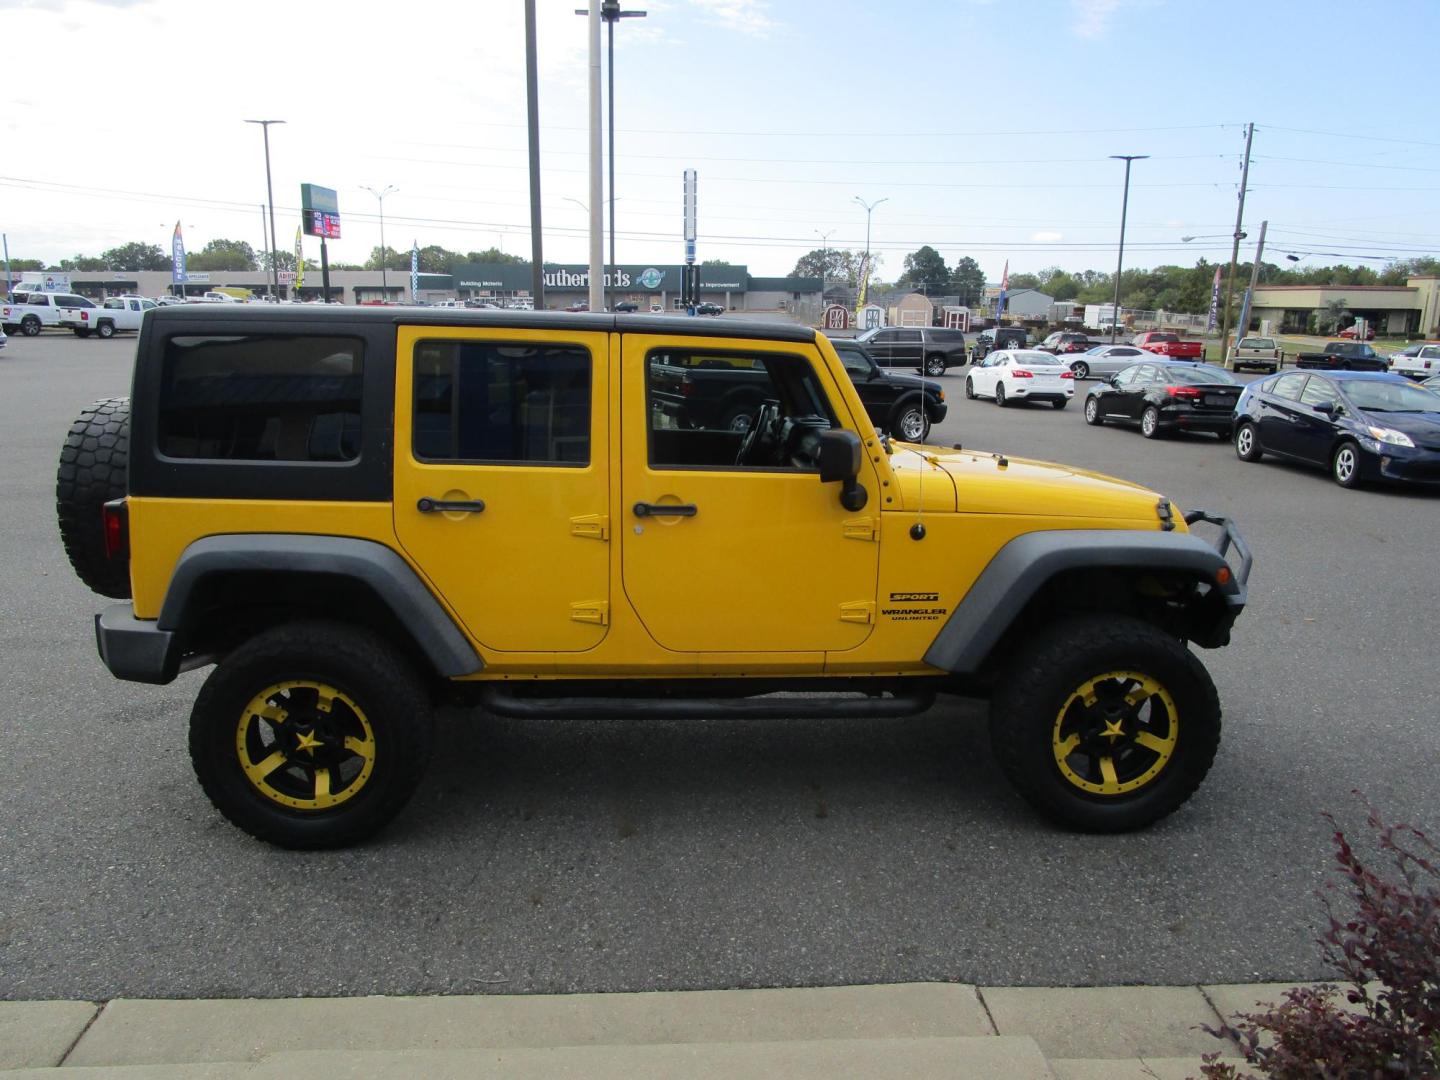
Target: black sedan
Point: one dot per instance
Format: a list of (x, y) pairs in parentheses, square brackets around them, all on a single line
[(1362, 426), (904, 405), (1161, 396), (709, 307)]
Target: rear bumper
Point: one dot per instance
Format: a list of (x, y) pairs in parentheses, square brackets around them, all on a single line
[(136, 649)]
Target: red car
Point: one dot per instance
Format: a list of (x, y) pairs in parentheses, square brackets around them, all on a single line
[(1349, 332), (1166, 344)]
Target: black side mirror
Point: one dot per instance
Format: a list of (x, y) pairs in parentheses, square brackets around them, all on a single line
[(840, 459), (1325, 408)]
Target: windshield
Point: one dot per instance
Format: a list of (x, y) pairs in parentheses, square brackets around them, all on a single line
[(1199, 374), (855, 359), (1032, 358), (1163, 337), (1380, 396), (1257, 343)]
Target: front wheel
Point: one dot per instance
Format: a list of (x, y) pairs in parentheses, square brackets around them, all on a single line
[(1081, 369), (1092, 412), (911, 424), (934, 366), (311, 735), (1105, 723), (1345, 465), (1150, 422)]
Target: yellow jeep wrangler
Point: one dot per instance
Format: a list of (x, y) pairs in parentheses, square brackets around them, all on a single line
[(351, 511)]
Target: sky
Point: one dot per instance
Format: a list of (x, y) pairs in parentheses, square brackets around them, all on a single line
[(985, 126)]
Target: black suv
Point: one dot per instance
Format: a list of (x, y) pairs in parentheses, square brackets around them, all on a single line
[(927, 349), (904, 405)]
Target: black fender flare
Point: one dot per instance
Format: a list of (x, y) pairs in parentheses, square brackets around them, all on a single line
[(1024, 565), (372, 564)]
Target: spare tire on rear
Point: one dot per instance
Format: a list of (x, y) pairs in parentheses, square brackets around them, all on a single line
[(93, 465)]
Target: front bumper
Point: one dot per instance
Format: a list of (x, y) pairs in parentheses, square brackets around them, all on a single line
[(136, 649), (1399, 464)]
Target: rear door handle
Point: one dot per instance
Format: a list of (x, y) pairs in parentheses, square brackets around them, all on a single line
[(645, 509), (427, 505)]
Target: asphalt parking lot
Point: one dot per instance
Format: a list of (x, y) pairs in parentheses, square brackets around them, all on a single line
[(610, 856)]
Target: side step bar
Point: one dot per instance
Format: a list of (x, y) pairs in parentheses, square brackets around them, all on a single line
[(798, 707)]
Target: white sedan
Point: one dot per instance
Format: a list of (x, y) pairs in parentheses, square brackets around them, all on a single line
[(1022, 375), (1105, 360)]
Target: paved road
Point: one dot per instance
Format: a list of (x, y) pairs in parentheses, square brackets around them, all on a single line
[(630, 856)]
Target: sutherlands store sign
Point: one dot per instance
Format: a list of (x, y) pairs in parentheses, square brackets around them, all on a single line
[(655, 279)]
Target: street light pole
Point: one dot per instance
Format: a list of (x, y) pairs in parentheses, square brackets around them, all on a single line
[(1120, 259), (384, 277), (869, 207), (270, 194), (824, 259)]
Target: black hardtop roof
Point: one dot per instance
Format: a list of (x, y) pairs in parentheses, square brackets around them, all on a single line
[(216, 317)]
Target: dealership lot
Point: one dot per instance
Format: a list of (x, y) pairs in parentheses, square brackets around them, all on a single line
[(659, 855)]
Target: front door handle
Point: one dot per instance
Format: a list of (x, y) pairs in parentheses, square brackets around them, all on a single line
[(427, 505), (645, 509)]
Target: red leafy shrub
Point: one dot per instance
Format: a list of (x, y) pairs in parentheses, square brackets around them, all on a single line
[(1391, 938)]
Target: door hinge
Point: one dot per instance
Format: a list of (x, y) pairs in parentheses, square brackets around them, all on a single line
[(591, 527), (591, 611), (865, 528), (861, 611)]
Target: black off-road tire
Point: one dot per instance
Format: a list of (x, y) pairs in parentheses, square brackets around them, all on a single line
[(1039, 700), (93, 466), (356, 665)]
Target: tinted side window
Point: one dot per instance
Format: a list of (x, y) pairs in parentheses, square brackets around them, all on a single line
[(946, 337), (502, 402), (260, 398), (907, 337), (1288, 386)]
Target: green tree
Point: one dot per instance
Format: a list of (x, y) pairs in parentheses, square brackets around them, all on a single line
[(16, 265), (1024, 281), (925, 270), (836, 265), (284, 260), (435, 259), (136, 256), (489, 255), (83, 264), (1336, 312), (224, 255), (968, 281), (394, 260)]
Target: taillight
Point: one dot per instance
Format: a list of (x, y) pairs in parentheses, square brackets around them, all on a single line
[(84, 316), (1188, 392), (1020, 373), (116, 522), (687, 386), (1067, 375)]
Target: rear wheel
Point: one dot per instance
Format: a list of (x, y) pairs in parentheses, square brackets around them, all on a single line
[(1081, 369), (1150, 422), (1000, 395), (106, 330), (934, 365), (311, 735), (1105, 723), (82, 331), (969, 388), (1060, 403), (1247, 442)]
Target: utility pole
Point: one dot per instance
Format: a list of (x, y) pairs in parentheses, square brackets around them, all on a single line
[(1120, 259), (532, 112), (824, 259), (1235, 248), (597, 222), (1243, 326)]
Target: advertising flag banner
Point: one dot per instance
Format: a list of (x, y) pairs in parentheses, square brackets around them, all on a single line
[(177, 256), (1214, 302), (299, 260), (1004, 288), (864, 284), (414, 269)]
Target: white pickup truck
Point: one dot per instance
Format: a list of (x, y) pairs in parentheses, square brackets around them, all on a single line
[(33, 311), (114, 315), (1419, 361)]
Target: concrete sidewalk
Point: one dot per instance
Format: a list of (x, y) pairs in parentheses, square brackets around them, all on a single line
[(912, 1030)]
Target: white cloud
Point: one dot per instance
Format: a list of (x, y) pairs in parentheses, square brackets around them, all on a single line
[(743, 16), (1047, 237), (1092, 17)]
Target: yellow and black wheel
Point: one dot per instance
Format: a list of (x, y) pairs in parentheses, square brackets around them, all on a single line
[(1105, 723), (311, 735)]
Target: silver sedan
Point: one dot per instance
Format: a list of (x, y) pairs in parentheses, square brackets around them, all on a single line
[(1102, 361)]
